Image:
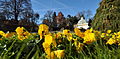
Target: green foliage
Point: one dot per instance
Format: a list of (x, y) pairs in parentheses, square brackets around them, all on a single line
[(13, 48), (73, 20), (31, 48), (107, 16)]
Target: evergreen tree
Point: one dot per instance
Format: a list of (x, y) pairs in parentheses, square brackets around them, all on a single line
[(107, 16)]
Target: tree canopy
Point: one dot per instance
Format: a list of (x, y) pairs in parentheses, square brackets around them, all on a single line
[(17, 9), (107, 16), (14, 13)]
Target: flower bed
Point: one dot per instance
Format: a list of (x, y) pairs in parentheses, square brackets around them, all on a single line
[(56, 45)]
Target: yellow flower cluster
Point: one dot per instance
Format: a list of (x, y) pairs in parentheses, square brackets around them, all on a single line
[(50, 39), (54, 41), (79, 33), (114, 38), (22, 33), (47, 48), (1, 34), (66, 33), (6, 35), (56, 54), (59, 53), (43, 30), (88, 35)]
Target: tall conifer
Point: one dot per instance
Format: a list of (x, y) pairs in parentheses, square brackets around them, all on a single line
[(107, 16)]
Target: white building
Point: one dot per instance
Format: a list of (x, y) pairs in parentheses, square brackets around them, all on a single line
[(82, 24)]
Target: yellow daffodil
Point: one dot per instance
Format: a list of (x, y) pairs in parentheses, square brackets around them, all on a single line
[(78, 33), (118, 36), (21, 37), (89, 30), (69, 37), (43, 27), (113, 36), (22, 34), (19, 30), (111, 41), (102, 35), (48, 39), (107, 34), (51, 56), (89, 38), (58, 34), (26, 33), (115, 33), (109, 31), (65, 32), (47, 51), (59, 53), (45, 45), (7, 35), (118, 33), (2, 33), (43, 30)]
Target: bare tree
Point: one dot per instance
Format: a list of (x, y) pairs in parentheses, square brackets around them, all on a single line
[(89, 13), (86, 14), (16, 9), (48, 15)]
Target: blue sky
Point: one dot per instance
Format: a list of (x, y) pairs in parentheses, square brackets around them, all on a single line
[(71, 7)]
